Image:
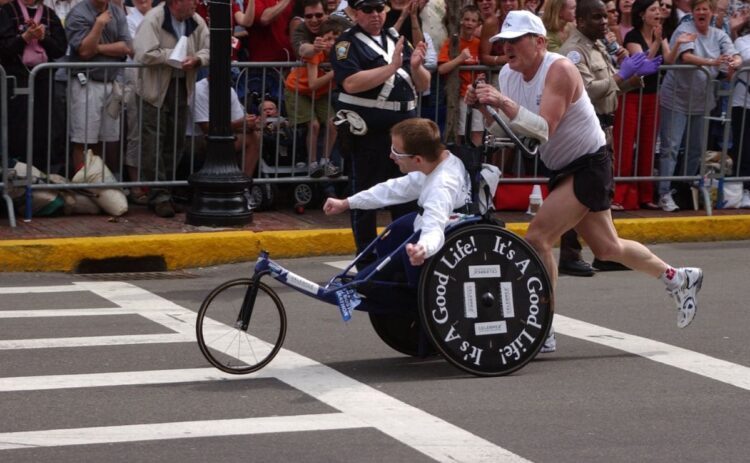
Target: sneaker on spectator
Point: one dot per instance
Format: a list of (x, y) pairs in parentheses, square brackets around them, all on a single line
[(300, 165), (550, 344), (667, 204), (684, 296), (163, 209), (316, 170), (745, 202), (331, 171)]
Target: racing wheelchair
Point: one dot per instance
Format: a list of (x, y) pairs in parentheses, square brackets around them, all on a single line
[(484, 301)]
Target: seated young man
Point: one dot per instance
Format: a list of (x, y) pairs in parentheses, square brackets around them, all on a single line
[(434, 177)]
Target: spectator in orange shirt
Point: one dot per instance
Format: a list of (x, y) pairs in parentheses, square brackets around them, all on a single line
[(306, 98), (469, 55)]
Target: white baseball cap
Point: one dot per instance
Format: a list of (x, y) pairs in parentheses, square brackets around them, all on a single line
[(518, 23)]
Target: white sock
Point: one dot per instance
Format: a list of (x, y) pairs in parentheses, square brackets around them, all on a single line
[(672, 278)]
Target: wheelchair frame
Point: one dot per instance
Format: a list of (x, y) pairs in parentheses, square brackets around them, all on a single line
[(484, 301)]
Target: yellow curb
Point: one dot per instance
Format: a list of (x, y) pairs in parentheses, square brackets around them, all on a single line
[(214, 248)]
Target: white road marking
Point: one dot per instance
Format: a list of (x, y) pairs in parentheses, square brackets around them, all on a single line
[(667, 354), (90, 341), (39, 289), (684, 359), (361, 404), (339, 264), (63, 312), (179, 430)]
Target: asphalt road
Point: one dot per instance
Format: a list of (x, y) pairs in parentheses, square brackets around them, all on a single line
[(95, 370)]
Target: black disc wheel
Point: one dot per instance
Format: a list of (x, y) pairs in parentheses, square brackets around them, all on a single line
[(486, 300), (402, 333), (223, 341)]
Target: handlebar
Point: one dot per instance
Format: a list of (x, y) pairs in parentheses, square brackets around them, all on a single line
[(528, 146)]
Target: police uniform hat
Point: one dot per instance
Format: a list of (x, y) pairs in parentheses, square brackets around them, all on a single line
[(357, 4)]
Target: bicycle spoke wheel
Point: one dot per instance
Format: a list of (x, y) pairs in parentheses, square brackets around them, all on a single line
[(224, 344)]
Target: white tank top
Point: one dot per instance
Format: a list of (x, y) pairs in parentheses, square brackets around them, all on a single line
[(578, 133)]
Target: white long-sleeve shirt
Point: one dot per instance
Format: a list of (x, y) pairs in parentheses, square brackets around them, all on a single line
[(446, 188)]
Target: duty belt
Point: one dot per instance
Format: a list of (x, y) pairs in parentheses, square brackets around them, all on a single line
[(401, 106)]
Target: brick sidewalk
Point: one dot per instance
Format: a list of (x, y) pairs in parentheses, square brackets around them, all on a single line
[(140, 221)]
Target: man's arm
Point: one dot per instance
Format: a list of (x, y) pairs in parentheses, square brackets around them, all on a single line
[(563, 86), (419, 74), (89, 45), (370, 78), (270, 14)]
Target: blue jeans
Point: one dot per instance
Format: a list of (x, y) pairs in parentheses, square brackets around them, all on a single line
[(679, 129)]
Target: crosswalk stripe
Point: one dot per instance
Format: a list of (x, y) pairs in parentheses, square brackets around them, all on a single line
[(44, 313), (667, 354), (90, 341), (361, 404), (177, 430)]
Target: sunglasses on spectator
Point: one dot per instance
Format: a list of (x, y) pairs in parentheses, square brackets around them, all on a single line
[(666, 5), (314, 15), (398, 155), (367, 9)]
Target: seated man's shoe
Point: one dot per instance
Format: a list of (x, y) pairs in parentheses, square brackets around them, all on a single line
[(576, 268), (608, 265)]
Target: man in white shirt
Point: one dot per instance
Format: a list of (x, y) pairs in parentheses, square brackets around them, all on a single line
[(434, 177), (542, 95)]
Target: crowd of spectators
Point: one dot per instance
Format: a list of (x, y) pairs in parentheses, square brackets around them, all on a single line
[(706, 33)]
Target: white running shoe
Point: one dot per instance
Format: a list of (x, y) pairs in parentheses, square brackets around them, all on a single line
[(685, 296), (745, 202), (550, 344), (667, 204)]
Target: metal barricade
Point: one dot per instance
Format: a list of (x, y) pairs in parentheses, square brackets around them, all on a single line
[(255, 83), (732, 169), (5, 174)]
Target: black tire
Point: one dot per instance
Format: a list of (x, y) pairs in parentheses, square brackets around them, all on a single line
[(402, 333), (303, 194), (486, 300), (224, 344)]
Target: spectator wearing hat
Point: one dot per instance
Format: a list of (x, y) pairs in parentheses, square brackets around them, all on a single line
[(379, 76)]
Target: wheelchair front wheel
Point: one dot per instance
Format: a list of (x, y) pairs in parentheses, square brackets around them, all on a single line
[(486, 300), (222, 340)]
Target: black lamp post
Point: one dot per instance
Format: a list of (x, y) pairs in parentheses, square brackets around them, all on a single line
[(218, 188)]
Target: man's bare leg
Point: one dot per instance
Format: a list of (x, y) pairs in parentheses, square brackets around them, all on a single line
[(560, 212)]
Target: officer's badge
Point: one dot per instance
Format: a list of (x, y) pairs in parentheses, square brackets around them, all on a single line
[(342, 50), (574, 56)]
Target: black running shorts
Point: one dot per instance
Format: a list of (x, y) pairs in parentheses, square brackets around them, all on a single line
[(593, 183)]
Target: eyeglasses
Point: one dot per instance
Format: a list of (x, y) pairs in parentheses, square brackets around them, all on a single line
[(666, 6), (314, 15), (398, 155), (367, 9)]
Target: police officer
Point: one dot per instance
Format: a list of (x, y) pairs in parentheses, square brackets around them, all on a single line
[(586, 50), (379, 75), (603, 83)]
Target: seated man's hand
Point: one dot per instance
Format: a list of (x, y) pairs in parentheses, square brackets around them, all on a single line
[(416, 253), (335, 206)]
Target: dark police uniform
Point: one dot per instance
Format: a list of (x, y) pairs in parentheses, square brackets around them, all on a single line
[(380, 109)]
